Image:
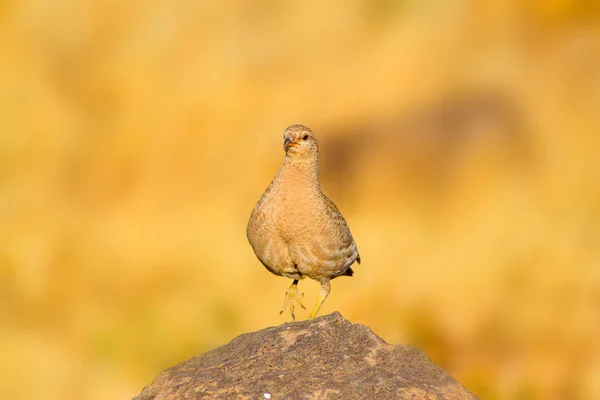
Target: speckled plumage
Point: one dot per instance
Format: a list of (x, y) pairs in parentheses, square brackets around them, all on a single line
[(295, 230)]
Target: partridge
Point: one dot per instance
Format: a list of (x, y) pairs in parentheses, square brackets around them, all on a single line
[(295, 230)]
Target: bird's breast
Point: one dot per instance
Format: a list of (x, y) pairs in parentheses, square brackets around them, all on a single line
[(300, 215)]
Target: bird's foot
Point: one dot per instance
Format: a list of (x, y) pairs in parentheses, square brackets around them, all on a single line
[(325, 289), (292, 295)]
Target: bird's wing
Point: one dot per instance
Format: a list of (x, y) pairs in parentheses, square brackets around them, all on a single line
[(340, 225)]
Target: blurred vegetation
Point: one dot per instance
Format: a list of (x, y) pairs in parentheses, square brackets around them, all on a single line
[(459, 140)]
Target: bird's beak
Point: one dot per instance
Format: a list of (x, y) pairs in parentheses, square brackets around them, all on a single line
[(287, 143)]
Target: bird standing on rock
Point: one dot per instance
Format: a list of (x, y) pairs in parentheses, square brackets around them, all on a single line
[(294, 229)]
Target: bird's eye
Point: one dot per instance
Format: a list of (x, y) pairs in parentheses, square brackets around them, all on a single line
[(305, 137)]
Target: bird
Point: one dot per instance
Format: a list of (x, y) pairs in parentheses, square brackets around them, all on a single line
[(295, 230)]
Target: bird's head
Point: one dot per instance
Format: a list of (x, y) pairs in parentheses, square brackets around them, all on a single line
[(300, 142)]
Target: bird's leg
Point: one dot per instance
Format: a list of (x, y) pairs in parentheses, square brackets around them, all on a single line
[(325, 289), (292, 295)]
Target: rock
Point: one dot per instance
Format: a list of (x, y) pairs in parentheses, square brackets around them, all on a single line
[(323, 358)]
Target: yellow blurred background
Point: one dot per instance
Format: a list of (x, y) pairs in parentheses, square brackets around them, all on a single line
[(459, 139)]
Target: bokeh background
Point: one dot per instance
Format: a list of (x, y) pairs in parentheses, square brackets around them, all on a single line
[(460, 140)]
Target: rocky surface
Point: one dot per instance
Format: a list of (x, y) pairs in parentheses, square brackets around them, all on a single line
[(324, 358)]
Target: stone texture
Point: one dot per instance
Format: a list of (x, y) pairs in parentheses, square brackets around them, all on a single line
[(323, 358)]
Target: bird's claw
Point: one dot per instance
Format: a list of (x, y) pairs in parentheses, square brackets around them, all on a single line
[(292, 295)]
